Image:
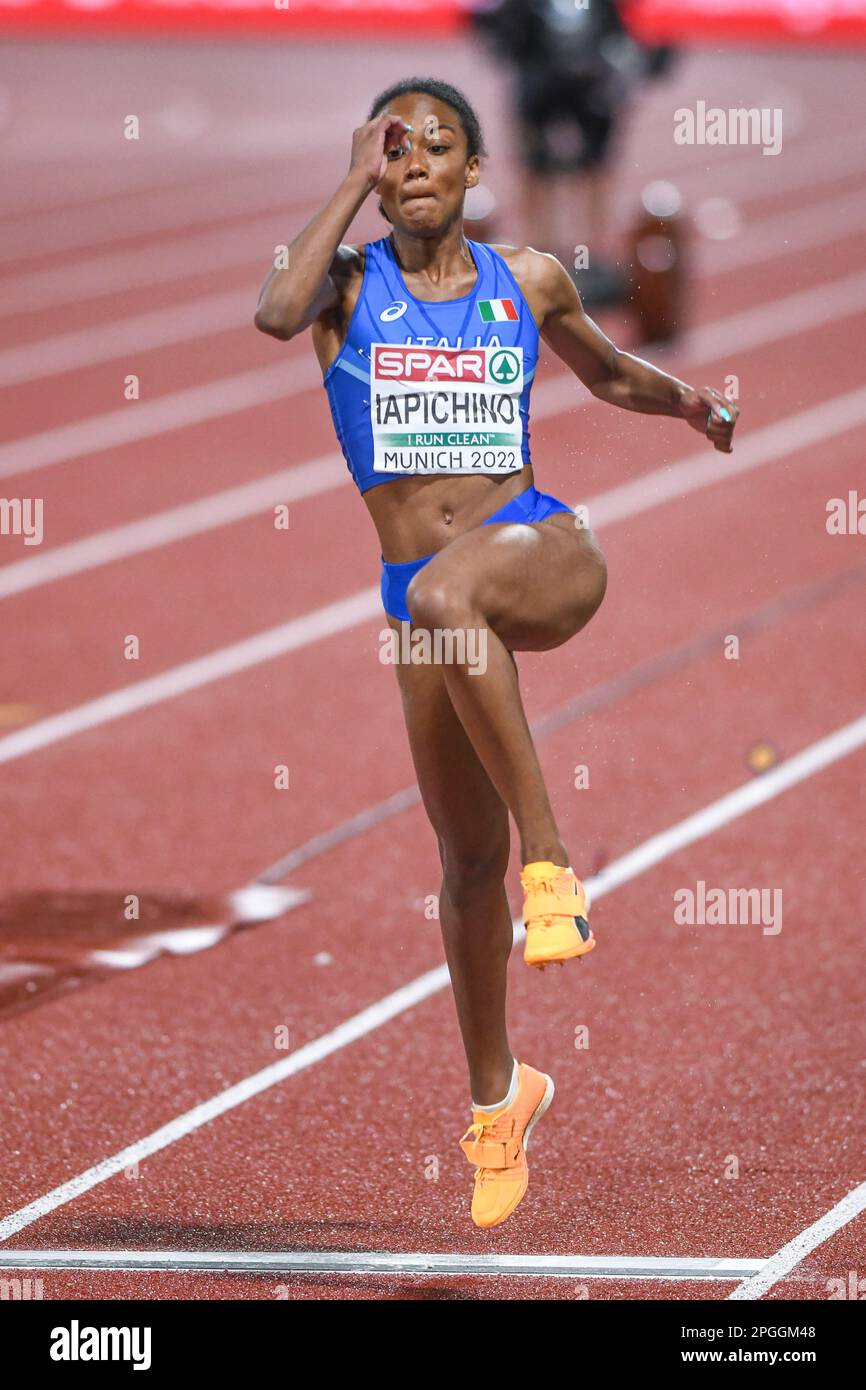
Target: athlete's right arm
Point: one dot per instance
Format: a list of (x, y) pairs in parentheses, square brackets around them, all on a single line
[(318, 264)]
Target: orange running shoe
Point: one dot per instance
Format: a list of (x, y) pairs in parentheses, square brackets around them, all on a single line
[(497, 1141), (554, 914)]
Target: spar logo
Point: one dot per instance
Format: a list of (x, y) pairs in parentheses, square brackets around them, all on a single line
[(504, 367), (393, 363)]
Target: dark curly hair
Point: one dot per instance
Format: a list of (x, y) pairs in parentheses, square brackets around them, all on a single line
[(440, 91)]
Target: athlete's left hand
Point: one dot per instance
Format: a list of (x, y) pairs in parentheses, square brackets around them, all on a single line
[(712, 414)]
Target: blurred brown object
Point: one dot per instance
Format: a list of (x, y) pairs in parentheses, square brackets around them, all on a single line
[(656, 258)]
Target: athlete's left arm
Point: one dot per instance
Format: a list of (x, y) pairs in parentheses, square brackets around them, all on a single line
[(611, 374)]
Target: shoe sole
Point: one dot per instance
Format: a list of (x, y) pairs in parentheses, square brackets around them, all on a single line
[(582, 950)]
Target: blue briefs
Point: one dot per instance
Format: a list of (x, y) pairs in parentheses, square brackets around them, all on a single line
[(527, 506)]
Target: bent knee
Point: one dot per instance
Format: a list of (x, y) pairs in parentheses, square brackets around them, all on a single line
[(438, 597), (432, 603)]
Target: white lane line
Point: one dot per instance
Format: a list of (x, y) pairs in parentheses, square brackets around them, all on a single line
[(797, 1249), (232, 140), (138, 333), (631, 499), (141, 214), (122, 271), (176, 410), (192, 319), (178, 523), (767, 238), (766, 445), (658, 848), (191, 675), (382, 1262), (796, 313), (787, 317), (734, 804)]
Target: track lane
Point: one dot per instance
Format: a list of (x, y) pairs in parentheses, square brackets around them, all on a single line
[(667, 1198)]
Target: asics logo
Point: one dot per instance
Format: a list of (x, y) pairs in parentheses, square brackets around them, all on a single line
[(393, 311)]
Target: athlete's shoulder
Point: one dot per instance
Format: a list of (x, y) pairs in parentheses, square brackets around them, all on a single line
[(536, 272), (544, 281), (537, 267)]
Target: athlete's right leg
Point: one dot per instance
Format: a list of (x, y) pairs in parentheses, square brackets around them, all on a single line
[(472, 828)]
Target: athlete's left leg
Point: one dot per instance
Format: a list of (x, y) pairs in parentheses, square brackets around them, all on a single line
[(528, 588)]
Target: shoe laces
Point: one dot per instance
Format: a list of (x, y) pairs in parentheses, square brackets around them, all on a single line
[(477, 1131)]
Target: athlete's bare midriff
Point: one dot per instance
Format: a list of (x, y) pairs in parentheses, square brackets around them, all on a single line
[(418, 516)]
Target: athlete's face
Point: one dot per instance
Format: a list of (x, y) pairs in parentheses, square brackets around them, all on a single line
[(423, 188)]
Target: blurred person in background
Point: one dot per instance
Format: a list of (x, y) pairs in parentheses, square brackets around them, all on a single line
[(575, 66)]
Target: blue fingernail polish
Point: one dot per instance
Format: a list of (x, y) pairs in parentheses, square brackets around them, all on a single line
[(725, 414)]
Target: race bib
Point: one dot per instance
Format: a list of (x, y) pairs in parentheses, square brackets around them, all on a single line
[(446, 410)]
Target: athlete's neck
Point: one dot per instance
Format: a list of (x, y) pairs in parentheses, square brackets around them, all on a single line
[(438, 260)]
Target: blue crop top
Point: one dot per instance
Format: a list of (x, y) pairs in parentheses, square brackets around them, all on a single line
[(428, 388)]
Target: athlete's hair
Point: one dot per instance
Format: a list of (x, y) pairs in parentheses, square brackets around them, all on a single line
[(440, 91)]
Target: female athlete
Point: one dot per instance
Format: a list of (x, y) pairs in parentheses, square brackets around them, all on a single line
[(428, 343)]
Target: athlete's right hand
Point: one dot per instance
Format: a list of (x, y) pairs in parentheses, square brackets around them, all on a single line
[(372, 142)]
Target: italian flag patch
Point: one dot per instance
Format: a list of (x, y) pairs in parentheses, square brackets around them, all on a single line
[(497, 310)]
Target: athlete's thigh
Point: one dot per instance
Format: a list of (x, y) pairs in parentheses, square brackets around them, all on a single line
[(534, 584), (466, 811)]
